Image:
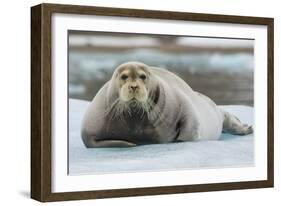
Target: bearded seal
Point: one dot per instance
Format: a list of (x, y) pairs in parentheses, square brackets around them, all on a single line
[(142, 104)]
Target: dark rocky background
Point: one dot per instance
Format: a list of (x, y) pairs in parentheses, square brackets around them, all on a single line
[(219, 68)]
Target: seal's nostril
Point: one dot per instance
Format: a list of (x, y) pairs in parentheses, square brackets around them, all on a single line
[(133, 87)]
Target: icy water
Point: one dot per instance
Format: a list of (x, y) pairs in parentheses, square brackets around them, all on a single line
[(227, 78)]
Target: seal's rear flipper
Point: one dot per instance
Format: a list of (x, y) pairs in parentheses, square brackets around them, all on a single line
[(233, 125)]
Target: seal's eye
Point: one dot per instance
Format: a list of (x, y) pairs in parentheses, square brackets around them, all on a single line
[(124, 77), (142, 76)]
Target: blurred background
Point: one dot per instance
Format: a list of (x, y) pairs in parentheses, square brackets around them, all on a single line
[(217, 67)]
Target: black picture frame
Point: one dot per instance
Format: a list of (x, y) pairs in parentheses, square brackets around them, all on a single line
[(41, 172)]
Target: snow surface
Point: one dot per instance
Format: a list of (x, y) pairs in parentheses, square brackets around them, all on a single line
[(229, 151)]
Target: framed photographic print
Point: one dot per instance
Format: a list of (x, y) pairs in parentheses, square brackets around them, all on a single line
[(130, 102)]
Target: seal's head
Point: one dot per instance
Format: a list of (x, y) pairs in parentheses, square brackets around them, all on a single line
[(132, 81)]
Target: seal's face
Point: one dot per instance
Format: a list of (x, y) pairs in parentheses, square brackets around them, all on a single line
[(133, 80)]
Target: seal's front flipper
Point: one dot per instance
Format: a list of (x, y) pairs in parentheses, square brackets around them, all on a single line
[(114, 143), (91, 143), (233, 125), (189, 130)]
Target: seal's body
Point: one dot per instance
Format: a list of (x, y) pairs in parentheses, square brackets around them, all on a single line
[(146, 105)]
